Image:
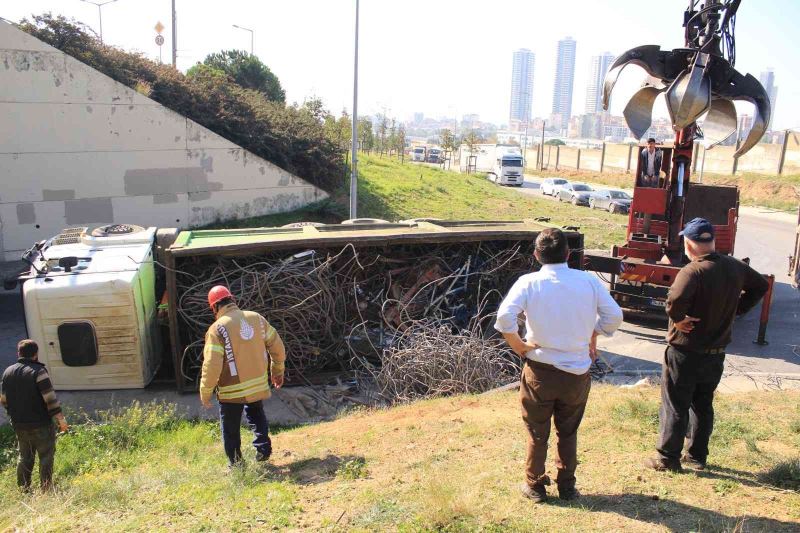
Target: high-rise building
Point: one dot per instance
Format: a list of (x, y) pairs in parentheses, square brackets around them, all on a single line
[(565, 75), (768, 81), (594, 88), (522, 86)]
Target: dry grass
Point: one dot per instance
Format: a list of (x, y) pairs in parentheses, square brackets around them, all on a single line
[(778, 192), (451, 464)]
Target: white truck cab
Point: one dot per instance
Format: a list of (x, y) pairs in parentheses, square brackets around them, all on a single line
[(90, 304), (508, 166), (418, 154)]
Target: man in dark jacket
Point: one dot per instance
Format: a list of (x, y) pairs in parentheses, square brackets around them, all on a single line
[(706, 296), (650, 164), (32, 406)]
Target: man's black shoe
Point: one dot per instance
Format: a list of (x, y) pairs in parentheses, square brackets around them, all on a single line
[(262, 457), (657, 464), (692, 463), (568, 493), (537, 493)]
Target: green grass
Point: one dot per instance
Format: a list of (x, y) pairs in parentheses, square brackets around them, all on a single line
[(450, 464), (393, 191)]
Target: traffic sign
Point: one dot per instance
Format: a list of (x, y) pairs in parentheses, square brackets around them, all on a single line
[(159, 40)]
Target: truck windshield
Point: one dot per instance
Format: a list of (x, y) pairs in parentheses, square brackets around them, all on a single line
[(418, 150), (512, 162)]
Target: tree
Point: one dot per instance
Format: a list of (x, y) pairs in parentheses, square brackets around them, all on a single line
[(315, 107), (401, 141), (383, 126), (366, 138), (555, 142), (471, 139), (447, 140), (391, 142), (247, 71)]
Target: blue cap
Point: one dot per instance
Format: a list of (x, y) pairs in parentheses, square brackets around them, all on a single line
[(698, 230)]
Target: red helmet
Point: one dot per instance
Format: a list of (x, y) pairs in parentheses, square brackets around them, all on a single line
[(217, 293)]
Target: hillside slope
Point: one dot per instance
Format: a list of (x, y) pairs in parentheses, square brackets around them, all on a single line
[(394, 191), (449, 464)]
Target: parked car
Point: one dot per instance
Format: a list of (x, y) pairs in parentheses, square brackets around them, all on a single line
[(434, 156), (550, 186), (612, 200), (577, 193)]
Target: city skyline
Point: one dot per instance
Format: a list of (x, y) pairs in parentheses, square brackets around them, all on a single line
[(476, 81), (598, 67), (522, 71), (564, 80)]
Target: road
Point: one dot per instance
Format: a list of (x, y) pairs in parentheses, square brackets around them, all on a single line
[(767, 238)]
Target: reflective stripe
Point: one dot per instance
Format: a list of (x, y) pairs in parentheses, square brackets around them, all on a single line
[(216, 348), (227, 395), (244, 384), (271, 333)]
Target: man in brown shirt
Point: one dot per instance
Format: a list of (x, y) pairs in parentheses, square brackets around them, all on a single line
[(706, 296)]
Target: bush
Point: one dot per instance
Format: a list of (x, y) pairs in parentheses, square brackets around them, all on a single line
[(286, 136)]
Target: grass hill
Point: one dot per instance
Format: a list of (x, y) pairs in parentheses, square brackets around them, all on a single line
[(395, 191), (449, 464)]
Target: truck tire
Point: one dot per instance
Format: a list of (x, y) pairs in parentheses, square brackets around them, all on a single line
[(301, 224), (113, 230)]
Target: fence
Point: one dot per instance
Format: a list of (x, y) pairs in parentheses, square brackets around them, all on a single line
[(769, 159)]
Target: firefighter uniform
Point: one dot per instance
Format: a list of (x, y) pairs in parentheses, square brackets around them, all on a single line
[(241, 350)]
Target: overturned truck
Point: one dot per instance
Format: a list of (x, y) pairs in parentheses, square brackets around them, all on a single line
[(120, 305)]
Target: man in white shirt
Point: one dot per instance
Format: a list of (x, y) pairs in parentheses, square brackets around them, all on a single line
[(564, 310)]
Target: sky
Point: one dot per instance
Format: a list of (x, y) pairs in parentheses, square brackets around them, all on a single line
[(444, 58)]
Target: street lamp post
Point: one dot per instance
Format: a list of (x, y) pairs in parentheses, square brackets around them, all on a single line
[(251, 35), (100, 12), (354, 140)]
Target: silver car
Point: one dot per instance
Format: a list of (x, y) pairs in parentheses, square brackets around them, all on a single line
[(550, 186), (612, 200), (577, 193)]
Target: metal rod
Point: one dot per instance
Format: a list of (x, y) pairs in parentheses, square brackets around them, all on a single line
[(354, 141), (542, 143), (702, 165)]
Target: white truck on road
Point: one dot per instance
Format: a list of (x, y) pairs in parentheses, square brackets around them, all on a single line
[(508, 165)]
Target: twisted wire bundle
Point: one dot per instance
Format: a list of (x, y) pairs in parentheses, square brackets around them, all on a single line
[(403, 307)]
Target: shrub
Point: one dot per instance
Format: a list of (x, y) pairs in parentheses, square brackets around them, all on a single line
[(284, 135)]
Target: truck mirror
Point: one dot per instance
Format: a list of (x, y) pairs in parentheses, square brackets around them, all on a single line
[(67, 263)]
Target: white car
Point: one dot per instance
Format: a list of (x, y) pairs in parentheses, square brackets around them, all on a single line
[(551, 186)]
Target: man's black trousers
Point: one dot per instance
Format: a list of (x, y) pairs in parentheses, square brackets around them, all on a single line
[(688, 382)]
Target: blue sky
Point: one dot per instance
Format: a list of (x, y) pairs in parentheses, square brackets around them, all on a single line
[(441, 57)]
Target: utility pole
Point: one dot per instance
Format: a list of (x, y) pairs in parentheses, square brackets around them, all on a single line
[(251, 35), (541, 147), (354, 140), (100, 12), (174, 36)]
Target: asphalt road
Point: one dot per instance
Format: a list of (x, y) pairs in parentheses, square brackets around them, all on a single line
[(767, 238)]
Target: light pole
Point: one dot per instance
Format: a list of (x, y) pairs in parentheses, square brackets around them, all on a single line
[(354, 140), (251, 35), (100, 12)]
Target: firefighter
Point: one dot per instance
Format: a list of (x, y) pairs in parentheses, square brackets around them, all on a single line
[(242, 350)]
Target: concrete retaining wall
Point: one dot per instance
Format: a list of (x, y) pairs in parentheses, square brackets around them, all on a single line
[(77, 148)]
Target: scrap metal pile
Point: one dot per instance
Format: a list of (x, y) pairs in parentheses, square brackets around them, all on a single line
[(415, 319)]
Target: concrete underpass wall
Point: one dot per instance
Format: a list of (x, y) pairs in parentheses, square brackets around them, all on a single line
[(79, 149)]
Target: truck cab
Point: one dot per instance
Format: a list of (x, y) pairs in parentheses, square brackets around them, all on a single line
[(90, 303), (508, 167), (418, 154), (434, 156)]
